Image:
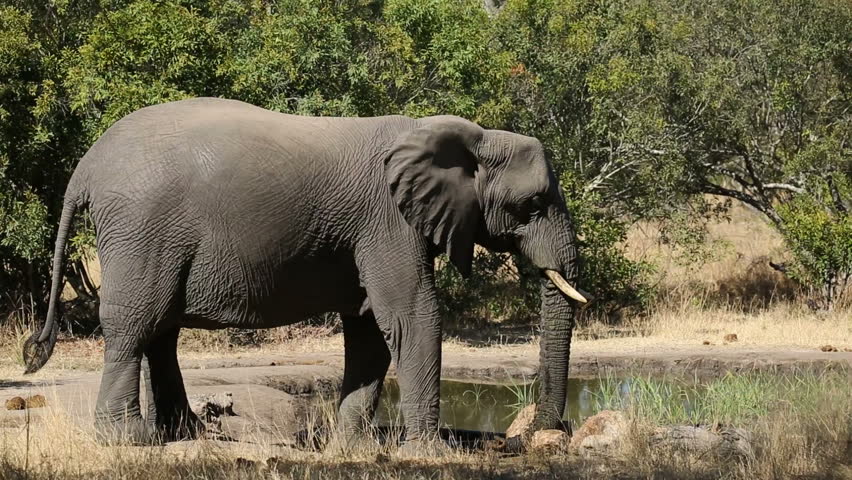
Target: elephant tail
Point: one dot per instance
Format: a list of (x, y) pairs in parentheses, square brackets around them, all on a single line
[(39, 347)]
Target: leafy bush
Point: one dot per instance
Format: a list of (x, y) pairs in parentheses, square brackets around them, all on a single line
[(821, 242), (643, 107)]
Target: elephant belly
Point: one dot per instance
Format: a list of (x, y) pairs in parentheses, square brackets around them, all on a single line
[(240, 297)]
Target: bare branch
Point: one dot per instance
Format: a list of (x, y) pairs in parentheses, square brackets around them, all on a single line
[(764, 208), (835, 195), (783, 186)]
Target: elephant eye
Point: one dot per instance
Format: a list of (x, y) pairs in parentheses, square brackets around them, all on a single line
[(535, 204), (538, 202), (528, 207)]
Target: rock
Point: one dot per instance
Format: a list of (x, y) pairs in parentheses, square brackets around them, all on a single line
[(731, 337), (600, 433), (828, 348), (701, 440), (209, 407), (522, 425), (705, 342), (550, 440), (689, 438), (737, 441), (16, 403), (36, 401)]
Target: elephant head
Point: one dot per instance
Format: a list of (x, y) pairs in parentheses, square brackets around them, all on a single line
[(459, 184)]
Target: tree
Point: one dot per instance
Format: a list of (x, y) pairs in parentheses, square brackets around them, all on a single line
[(71, 69), (655, 104), (39, 137)]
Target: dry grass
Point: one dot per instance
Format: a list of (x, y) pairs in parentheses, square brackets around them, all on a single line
[(782, 325), (805, 439), (730, 270), (52, 446), (800, 427)]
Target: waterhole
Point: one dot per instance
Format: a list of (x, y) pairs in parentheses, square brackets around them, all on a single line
[(492, 407)]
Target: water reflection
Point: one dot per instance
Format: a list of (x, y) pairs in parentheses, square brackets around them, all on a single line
[(492, 407)]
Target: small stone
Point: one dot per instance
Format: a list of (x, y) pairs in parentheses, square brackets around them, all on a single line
[(36, 401), (16, 403), (550, 440), (705, 342), (208, 407), (828, 348), (522, 425), (731, 337)]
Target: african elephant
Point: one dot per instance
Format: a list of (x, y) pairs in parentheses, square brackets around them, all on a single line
[(213, 213)]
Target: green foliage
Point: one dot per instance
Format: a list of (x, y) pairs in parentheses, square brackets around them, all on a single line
[(146, 53), (618, 282), (732, 399), (500, 289), (524, 393), (821, 243), (649, 103), (642, 105), (25, 227)]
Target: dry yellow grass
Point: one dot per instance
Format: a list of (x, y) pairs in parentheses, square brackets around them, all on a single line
[(731, 270), (51, 445), (801, 443), (782, 325)]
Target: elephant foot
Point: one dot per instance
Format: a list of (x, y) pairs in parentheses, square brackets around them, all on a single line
[(424, 448), (130, 431), (514, 444), (346, 443), (181, 426)]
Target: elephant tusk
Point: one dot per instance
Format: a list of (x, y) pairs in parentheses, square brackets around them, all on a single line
[(564, 286)]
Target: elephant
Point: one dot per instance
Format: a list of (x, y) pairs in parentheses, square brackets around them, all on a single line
[(213, 213)]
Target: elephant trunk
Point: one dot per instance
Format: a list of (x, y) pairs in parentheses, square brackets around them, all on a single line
[(558, 309), (557, 324)]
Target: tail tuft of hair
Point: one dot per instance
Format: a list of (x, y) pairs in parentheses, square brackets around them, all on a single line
[(36, 353)]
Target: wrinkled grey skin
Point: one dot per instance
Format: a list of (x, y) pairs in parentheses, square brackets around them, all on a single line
[(214, 213)]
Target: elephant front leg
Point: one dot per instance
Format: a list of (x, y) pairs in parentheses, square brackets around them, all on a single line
[(400, 286), (412, 331), (366, 362), (415, 343)]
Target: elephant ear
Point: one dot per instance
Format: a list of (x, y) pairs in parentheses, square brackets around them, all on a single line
[(430, 171)]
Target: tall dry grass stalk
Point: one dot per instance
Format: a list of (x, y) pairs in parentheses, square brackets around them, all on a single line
[(800, 427)]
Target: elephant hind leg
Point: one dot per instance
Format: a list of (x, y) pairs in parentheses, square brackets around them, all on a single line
[(139, 301), (168, 406), (367, 359), (118, 417)]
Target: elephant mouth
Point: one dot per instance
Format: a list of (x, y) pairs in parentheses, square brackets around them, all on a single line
[(566, 288)]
